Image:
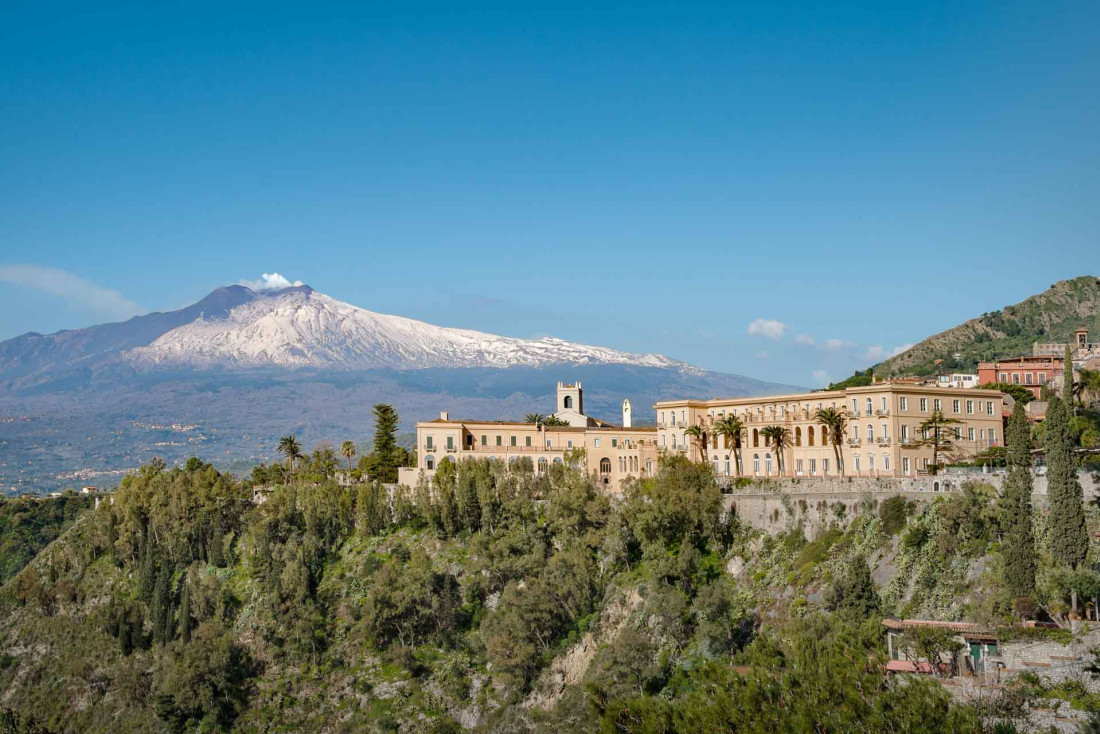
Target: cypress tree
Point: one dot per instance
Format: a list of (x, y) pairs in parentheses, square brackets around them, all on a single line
[(162, 608), (386, 459), (1067, 380), (1068, 534), (185, 612), (1019, 544)]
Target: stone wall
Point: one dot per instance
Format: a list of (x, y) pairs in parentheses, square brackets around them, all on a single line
[(778, 505)]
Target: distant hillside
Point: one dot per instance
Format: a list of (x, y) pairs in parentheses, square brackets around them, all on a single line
[(1049, 316)]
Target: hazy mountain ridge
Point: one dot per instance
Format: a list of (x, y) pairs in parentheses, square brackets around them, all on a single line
[(1049, 316)]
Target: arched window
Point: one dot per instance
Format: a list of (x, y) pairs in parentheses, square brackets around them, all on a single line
[(871, 464), (768, 464), (543, 463), (870, 406), (755, 438), (870, 432), (429, 464), (715, 460), (756, 463), (568, 402), (798, 436), (605, 465), (557, 459), (727, 466), (824, 436), (810, 435)]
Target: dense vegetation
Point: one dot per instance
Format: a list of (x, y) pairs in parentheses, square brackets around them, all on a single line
[(493, 599), (28, 524)]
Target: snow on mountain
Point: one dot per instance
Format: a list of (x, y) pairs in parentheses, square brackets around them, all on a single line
[(299, 327)]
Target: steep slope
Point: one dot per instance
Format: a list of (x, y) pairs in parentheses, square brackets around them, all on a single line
[(298, 327), (34, 355), (1048, 316)]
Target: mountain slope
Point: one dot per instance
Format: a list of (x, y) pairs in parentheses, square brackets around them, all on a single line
[(1049, 316), (298, 327)]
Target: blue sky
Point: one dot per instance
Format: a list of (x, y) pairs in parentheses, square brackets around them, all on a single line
[(651, 177)]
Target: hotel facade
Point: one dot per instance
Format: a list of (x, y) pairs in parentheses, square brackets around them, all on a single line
[(610, 453), (882, 439)]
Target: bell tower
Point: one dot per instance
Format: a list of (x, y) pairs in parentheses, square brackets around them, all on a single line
[(626, 413), (570, 398)]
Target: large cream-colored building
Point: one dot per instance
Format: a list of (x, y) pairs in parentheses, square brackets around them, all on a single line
[(883, 436), (611, 453)]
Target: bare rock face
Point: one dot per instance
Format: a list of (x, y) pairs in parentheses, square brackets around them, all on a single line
[(735, 566)]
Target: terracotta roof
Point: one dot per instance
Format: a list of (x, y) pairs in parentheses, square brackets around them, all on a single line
[(966, 629)]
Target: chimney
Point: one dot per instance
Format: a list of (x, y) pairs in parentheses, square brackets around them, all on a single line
[(444, 415)]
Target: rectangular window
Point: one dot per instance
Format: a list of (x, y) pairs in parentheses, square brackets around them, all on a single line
[(903, 404), (989, 407), (1042, 378), (970, 434), (904, 432), (681, 416), (855, 407), (884, 399), (905, 465), (569, 444), (1029, 378), (511, 440), (1015, 378), (527, 441), (798, 466), (855, 433), (956, 406), (884, 436), (824, 466), (813, 467), (484, 440), (450, 443), (857, 465), (614, 443), (1002, 377), (937, 406), (992, 435), (886, 462), (428, 442), (958, 433), (596, 442), (970, 407), (924, 405), (925, 464), (870, 433), (547, 443), (500, 441), (664, 440)]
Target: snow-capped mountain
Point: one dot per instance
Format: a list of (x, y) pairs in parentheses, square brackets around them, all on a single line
[(299, 327)]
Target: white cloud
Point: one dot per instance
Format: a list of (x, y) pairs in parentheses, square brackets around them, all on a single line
[(820, 378), (769, 328), (63, 284), (762, 355), (804, 339), (837, 344), (878, 352), (269, 281)]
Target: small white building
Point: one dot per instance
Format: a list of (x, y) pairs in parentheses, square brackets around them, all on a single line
[(957, 379)]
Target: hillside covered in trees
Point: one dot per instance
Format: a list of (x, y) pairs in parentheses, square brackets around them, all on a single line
[(496, 601), (1050, 316)]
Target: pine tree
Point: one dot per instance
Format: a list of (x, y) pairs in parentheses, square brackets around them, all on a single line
[(1068, 534), (854, 592), (1018, 545)]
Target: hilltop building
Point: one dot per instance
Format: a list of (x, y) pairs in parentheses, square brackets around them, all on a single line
[(1030, 371), (611, 453), (883, 437)]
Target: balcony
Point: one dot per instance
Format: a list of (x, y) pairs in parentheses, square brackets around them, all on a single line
[(884, 441), (854, 442), (882, 411)]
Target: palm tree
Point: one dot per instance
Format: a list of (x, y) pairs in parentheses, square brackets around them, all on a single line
[(835, 422), (781, 439), (552, 421), (289, 446), (731, 428), (935, 433), (535, 418), (347, 448), (699, 434), (1088, 386)]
